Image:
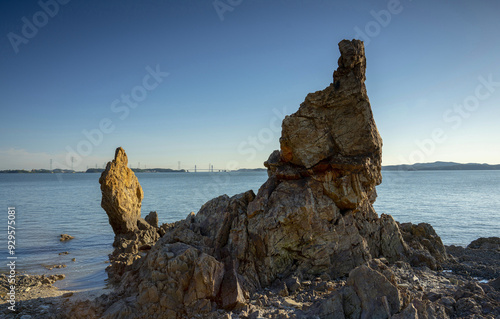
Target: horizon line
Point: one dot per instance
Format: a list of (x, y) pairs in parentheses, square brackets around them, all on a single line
[(217, 169)]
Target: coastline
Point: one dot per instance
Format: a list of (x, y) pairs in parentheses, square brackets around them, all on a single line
[(458, 286), (435, 166)]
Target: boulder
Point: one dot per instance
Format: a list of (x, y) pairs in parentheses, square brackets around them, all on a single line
[(231, 295), (427, 249), (490, 243), (152, 219), (378, 296)]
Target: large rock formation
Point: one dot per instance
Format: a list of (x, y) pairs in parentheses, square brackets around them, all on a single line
[(315, 214), (312, 218)]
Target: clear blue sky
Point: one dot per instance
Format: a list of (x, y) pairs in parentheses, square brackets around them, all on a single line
[(234, 69)]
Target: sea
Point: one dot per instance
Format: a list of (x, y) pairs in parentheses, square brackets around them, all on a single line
[(460, 205)]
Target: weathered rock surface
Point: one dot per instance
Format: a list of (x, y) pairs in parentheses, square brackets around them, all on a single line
[(490, 243), (428, 249), (313, 218), (422, 293), (333, 137), (121, 194), (379, 297), (479, 259)]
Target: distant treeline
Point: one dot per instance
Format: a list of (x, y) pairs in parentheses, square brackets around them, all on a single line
[(100, 170), (252, 169), (141, 170), (441, 166), (43, 171), (90, 170)]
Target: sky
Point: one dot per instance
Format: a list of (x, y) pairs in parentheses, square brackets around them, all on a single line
[(209, 82)]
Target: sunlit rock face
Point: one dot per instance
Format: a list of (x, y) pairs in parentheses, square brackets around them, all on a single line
[(121, 194), (315, 214)]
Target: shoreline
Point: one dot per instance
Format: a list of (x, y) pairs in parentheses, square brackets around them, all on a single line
[(36, 296), (471, 273)]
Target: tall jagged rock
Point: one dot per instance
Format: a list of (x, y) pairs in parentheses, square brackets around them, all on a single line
[(315, 213), (333, 136), (121, 194), (336, 124)]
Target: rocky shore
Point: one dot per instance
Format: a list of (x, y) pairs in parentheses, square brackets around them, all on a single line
[(458, 293), (36, 297), (309, 244)]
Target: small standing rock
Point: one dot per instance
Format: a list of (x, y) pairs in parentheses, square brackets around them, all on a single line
[(152, 219), (121, 194)]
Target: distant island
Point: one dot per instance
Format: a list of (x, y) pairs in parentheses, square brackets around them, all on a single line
[(441, 166)]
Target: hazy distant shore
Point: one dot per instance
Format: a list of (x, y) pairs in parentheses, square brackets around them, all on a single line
[(441, 166), (435, 166), (135, 170)]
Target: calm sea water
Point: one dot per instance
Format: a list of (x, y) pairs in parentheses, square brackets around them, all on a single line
[(461, 205)]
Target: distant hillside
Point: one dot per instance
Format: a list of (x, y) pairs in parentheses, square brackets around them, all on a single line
[(441, 166)]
